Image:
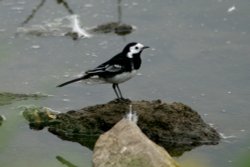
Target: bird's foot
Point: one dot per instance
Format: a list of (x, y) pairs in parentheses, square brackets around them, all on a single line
[(123, 100)]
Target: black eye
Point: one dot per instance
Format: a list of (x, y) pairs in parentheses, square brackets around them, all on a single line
[(136, 48)]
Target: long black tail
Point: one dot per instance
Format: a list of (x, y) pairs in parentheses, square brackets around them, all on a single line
[(71, 81)]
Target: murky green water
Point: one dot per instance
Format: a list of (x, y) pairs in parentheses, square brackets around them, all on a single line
[(199, 56)]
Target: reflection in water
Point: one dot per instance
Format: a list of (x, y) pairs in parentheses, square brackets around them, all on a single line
[(116, 27), (64, 161), (66, 26), (33, 12), (87, 139), (119, 7), (65, 4), (41, 4), (72, 28)]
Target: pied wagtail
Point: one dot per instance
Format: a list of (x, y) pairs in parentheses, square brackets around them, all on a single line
[(116, 70)]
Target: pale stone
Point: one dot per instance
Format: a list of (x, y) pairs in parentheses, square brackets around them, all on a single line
[(126, 146)]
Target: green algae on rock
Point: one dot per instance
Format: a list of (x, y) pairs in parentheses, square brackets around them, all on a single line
[(39, 117)]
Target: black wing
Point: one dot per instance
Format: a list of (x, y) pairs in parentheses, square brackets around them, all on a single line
[(113, 66), (105, 68)]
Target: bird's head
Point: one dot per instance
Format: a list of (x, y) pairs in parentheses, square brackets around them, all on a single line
[(134, 48)]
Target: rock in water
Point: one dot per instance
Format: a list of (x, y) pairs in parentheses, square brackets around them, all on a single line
[(126, 146), (39, 117), (175, 126)]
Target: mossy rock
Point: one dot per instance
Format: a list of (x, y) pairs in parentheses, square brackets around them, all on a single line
[(174, 126), (39, 117)]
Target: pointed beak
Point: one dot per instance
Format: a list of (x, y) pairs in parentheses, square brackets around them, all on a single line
[(145, 47)]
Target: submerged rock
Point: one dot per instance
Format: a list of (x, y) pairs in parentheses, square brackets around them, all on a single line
[(8, 98), (1, 120), (113, 27), (126, 146), (174, 126)]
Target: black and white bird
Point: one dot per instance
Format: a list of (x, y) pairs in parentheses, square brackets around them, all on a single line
[(116, 70)]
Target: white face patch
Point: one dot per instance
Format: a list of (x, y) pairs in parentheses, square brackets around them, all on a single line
[(134, 50)]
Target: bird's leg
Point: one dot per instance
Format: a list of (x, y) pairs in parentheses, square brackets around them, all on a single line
[(116, 93), (121, 97)]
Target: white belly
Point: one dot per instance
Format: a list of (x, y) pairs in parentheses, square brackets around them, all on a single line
[(122, 77)]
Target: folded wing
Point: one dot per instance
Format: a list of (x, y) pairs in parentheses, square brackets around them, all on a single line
[(105, 69)]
